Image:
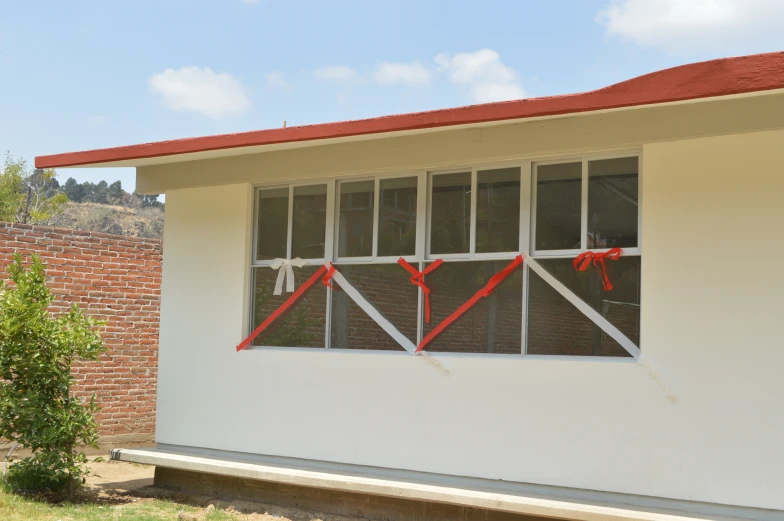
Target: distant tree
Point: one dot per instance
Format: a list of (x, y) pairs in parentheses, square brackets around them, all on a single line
[(114, 193), (44, 182), (29, 196), (101, 192), (149, 201), (13, 191), (74, 190)]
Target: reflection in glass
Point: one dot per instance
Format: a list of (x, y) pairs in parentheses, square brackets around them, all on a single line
[(493, 325), (309, 222), (558, 201), (355, 229), (556, 327), (397, 216), (450, 221), (498, 210), (303, 325), (272, 226), (387, 288), (613, 203)]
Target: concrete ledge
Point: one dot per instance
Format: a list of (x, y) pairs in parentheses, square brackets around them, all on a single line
[(521, 499)]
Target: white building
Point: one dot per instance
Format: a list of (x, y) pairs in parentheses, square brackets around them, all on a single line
[(551, 395)]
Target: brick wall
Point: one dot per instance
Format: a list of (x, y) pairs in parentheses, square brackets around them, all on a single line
[(115, 279)]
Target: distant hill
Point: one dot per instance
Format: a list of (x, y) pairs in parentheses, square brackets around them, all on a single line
[(118, 220)]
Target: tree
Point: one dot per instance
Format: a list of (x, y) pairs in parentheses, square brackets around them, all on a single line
[(29, 196), (149, 201), (13, 192), (74, 190), (114, 193), (37, 407), (100, 193)]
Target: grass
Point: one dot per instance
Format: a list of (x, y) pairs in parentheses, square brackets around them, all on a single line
[(17, 508)]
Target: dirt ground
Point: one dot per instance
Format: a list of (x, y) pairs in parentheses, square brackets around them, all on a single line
[(116, 484)]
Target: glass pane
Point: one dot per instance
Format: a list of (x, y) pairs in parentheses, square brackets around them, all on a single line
[(272, 227), (492, 325), (304, 324), (387, 288), (397, 217), (355, 229), (556, 327), (558, 200), (450, 220), (309, 222), (498, 210), (613, 203)]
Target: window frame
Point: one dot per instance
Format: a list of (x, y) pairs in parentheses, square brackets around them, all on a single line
[(526, 242), (254, 262), (569, 254), (373, 257), (584, 159), (474, 169)]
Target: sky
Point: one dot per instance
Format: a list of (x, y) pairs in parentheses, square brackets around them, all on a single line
[(91, 74)]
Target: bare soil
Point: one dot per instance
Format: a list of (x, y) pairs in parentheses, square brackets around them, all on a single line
[(119, 483)]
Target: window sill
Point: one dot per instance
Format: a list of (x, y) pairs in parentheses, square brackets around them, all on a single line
[(493, 356)]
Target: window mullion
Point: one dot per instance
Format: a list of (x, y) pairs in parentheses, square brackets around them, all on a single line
[(526, 218), (534, 196), (420, 309), (376, 201), (526, 208), (472, 231), (329, 239), (584, 207), (290, 230), (420, 250), (329, 254)]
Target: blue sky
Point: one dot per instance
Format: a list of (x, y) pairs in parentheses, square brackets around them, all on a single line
[(94, 73)]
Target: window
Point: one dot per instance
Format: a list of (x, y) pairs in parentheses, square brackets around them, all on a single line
[(355, 231), (450, 221), (492, 325), (582, 206), (290, 223), (463, 228), (397, 217)]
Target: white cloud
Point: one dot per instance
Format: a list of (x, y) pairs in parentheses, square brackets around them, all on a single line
[(487, 77), (413, 73), (683, 25), (277, 80), (200, 90), (336, 73)]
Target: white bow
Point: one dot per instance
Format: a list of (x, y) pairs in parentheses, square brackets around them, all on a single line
[(287, 273)]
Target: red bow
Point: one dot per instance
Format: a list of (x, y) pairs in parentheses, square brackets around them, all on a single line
[(585, 259), (418, 279)]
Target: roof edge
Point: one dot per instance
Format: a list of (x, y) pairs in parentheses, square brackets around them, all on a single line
[(714, 78)]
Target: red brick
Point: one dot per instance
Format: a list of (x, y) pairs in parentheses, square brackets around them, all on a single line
[(115, 279)]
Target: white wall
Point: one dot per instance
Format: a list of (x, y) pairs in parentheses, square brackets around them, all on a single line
[(711, 307)]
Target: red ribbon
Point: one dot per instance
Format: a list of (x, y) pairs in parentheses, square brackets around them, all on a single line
[(289, 302), (485, 291), (585, 259), (418, 279), (328, 276)]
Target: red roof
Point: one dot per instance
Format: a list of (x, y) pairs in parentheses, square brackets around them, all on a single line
[(722, 77)]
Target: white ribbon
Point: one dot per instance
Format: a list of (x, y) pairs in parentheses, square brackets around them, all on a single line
[(287, 273)]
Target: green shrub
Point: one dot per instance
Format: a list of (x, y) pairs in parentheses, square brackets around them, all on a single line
[(37, 408)]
